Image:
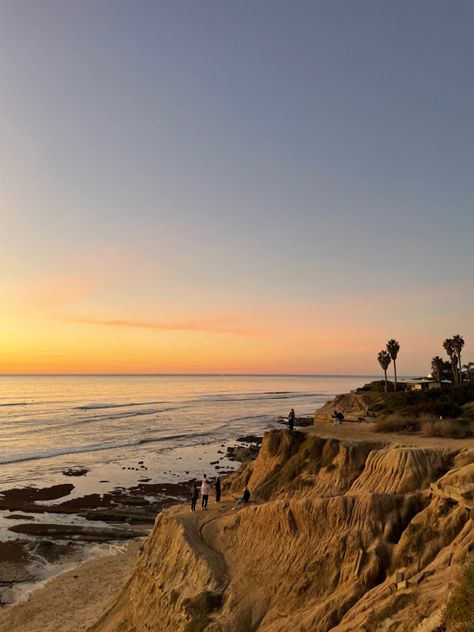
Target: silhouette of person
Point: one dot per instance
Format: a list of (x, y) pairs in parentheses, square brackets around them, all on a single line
[(291, 419)]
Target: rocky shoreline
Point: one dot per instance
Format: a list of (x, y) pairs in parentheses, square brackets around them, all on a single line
[(50, 529)]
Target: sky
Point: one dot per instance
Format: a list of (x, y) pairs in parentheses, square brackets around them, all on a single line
[(274, 187)]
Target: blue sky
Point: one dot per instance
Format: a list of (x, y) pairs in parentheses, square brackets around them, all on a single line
[(203, 160)]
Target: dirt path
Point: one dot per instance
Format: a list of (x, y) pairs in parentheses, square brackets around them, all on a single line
[(200, 525), (365, 431)]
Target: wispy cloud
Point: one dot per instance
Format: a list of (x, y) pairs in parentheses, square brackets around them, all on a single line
[(212, 326)]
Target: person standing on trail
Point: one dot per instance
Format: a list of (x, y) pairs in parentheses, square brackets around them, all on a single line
[(205, 489), (217, 487), (291, 419), (194, 495)]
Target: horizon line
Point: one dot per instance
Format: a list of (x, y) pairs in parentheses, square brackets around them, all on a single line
[(112, 374)]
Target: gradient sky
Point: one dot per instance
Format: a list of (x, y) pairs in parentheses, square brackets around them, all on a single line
[(235, 186)]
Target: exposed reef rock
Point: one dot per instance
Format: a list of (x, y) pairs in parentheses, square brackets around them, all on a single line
[(339, 535)]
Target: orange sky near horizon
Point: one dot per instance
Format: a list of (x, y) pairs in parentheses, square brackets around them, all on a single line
[(51, 328)]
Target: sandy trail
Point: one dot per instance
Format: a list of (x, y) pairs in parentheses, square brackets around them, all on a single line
[(365, 431)]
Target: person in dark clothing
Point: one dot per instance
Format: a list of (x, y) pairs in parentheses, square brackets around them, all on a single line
[(217, 487), (338, 417), (194, 495), (243, 500), (291, 419)]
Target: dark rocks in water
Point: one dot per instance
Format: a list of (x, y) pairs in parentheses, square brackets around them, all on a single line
[(133, 501), (54, 551), (104, 481), (302, 422), (14, 573), (140, 462), (217, 467), (220, 452), (92, 534), (76, 471), (213, 462), (139, 515), (250, 439), (144, 480), (13, 563), (90, 500), (24, 498), (243, 453)]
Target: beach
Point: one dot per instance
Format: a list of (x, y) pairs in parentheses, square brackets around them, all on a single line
[(67, 496), (73, 601)]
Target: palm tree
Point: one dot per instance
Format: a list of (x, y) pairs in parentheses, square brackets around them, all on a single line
[(437, 368), (468, 368), (458, 344), (384, 360), (393, 348), (449, 348), (455, 362)]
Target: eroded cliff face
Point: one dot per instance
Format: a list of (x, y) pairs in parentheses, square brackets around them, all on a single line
[(344, 536)]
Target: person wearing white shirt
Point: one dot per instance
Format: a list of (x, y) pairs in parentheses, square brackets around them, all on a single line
[(205, 489)]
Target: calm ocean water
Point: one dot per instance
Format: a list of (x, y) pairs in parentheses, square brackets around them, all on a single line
[(105, 423)]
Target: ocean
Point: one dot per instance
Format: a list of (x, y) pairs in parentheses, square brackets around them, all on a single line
[(175, 425)]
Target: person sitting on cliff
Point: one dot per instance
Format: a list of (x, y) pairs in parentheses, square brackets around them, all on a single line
[(194, 495), (291, 419), (243, 500), (205, 489), (338, 417)]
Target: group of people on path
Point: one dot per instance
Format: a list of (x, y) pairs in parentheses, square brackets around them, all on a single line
[(205, 491)]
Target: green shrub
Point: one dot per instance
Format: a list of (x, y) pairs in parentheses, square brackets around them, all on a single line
[(459, 613), (446, 402)]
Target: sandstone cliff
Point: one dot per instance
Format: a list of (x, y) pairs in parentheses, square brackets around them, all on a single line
[(355, 406), (344, 535)]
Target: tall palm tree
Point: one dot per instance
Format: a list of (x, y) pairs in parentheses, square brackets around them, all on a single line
[(455, 362), (384, 360), (449, 348), (458, 344), (393, 348), (437, 368)]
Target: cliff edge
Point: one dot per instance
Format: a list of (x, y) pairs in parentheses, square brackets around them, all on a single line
[(343, 534)]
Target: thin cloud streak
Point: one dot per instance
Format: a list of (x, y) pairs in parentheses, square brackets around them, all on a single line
[(203, 326)]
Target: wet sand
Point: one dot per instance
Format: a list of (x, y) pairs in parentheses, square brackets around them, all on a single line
[(73, 601)]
